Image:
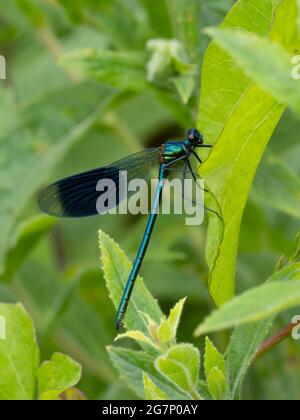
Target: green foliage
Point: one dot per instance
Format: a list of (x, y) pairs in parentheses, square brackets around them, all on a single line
[(19, 361), (213, 358), (240, 126), (124, 70), (215, 371), (90, 82), (28, 235), (217, 384), (264, 61), (167, 330), (49, 127), (242, 349), (116, 270), (258, 303), (170, 363), (56, 376), (152, 392), (17, 377), (180, 365), (132, 365)]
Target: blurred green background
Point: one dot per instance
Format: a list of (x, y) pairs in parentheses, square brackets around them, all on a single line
[(59, 117)]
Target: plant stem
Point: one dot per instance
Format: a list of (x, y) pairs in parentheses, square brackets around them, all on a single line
[(276, 339), (53, 45)]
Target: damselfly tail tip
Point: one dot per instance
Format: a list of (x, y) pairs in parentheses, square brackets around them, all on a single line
[(119, 324)]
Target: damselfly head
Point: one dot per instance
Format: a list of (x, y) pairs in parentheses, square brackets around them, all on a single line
[(195, 137)]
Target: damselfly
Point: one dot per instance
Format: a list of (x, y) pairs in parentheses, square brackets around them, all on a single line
[(76, 196)]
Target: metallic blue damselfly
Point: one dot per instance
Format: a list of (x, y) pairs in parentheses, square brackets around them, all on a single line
[(76, 196)]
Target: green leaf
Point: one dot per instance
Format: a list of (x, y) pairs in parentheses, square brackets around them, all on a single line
[(217, 384), (116, 268), (213, 358), (152, 392), (215, 371), (238, 117), (132, 365), (185, 86), (165, 54), (246, 339), (162, 51), (180, 364), (264, 61), (120, 69), (221, 74), (62, 313), (167, 330), (258, 303), (164, 333), (137, 336), (56, 376), (26, 238), (50, 127), (169, 63), (241, 351), (151, 326), (19, 354)]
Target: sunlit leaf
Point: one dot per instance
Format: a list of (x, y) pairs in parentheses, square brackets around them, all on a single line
[(166, 332), (282, 293), (137, 336), (132, 365), (180, 364), (264, 61), (213, 358), (56, 376), (242, 348), (152, 392), (19, 354), (217, 384), (239, 117)]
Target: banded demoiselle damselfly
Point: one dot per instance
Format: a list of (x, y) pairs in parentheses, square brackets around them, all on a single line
[(76, 196)]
